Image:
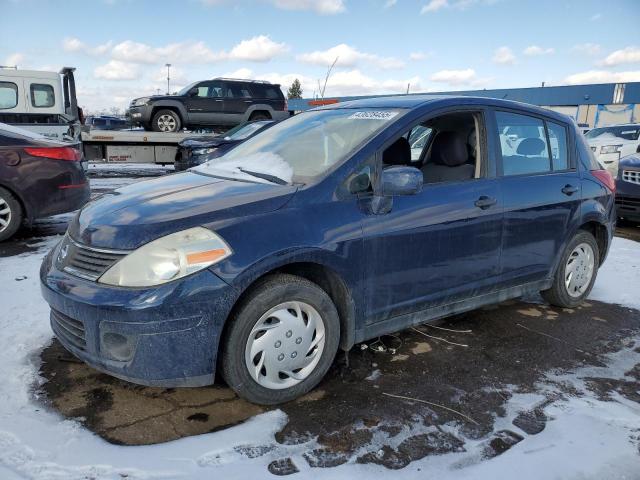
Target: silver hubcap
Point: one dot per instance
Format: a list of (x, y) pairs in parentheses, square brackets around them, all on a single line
[(5, 214), (579, 270), (166, 123), (285, 345)]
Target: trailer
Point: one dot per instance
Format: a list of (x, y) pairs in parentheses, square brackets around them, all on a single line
[(133, 146)]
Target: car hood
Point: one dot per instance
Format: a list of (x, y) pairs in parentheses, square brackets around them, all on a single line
[(136, 214), (610, 140), (630, 161)]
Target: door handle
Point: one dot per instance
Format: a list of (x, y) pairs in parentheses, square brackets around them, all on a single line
[(485, 202), (248, 101), (569, 190)]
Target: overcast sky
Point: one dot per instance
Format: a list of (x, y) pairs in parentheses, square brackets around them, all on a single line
[(119, 47)]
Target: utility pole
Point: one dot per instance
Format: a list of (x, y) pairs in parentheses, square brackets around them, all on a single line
[(168, 65)]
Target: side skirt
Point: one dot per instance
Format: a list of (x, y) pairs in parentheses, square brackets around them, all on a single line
[(401, 322)]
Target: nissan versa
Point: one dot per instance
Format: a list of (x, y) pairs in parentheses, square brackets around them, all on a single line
[(324, 231)]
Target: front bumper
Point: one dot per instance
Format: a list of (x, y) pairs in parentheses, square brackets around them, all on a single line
[(140, 115), (160, 336), (628, 200)]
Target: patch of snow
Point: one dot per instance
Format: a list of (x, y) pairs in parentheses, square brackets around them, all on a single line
[(618, 279), (262, 162), (375, 375), (585, 437)]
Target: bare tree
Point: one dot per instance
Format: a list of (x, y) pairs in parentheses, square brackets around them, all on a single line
[(326, 79)]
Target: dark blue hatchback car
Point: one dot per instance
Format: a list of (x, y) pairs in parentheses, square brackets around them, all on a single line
[(333, 227)]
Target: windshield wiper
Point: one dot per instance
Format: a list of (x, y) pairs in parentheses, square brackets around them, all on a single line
[(264, 176)]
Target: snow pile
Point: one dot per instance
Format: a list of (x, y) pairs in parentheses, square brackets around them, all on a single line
[(584, 438)]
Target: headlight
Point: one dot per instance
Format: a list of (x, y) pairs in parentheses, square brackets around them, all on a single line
[(141, 101), (203, 151), (168, 258), (610, 148)]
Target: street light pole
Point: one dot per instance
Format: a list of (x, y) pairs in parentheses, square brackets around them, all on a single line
[(168, 65)]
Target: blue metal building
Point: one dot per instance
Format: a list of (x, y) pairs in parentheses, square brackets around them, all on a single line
[(591, 105)]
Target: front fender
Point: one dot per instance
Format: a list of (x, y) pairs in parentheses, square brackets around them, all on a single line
[(170, 104)]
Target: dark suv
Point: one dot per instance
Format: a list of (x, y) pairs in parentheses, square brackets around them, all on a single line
[(222, 102), (327, 230)]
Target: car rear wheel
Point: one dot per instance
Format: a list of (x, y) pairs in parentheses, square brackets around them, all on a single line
[(10, 214), (281, 341), (259, 116), (166, 121), (576, 273)]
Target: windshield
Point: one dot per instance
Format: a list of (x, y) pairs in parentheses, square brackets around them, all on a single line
[(620, 132), (243, 131), (187, 88), (303, 148)]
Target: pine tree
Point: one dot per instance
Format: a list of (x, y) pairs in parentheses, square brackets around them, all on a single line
[(295, 90)]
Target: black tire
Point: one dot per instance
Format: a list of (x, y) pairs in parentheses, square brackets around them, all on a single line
[(9, 221), (269, 293), (259, 116), (558, 294), (161, 123)]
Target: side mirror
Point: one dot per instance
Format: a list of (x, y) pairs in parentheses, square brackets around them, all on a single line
[(401, 180), (193, 92), (360, 182)]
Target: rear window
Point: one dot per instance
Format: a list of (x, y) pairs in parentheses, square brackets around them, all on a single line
[(8, 95), (42, 95)]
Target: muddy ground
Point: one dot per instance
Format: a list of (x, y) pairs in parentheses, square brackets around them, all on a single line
[(387, 402)]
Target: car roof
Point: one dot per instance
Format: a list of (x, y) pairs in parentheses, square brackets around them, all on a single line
[(439, 101)]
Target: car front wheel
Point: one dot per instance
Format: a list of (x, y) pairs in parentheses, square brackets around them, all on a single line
[(281, 341), (576, 273), (166, 121)]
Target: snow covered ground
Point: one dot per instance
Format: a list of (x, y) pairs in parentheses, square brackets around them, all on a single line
[(586, 437)]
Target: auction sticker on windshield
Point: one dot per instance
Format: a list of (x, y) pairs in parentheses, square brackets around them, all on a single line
[(373, 115)]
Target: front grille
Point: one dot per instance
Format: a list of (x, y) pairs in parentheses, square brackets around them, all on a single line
[(624, 201), (69, 330), (631, 176), (86, 262)]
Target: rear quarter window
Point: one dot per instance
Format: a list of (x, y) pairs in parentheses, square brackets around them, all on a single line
[(270, 92)]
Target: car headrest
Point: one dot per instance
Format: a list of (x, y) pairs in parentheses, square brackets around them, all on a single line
[(531, 146), (398, 153), (450, 149)]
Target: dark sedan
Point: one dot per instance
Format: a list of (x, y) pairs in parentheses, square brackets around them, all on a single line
[(38, 178), (628, 188), (197, 150)]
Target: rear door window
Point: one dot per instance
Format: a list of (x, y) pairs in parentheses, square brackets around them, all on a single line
[(8, 95), (42, 95), (523, 144)]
